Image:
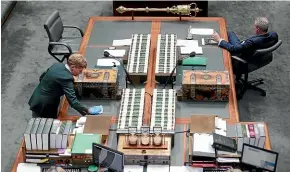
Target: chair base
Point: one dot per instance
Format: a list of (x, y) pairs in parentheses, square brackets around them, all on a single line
[(252, 85)]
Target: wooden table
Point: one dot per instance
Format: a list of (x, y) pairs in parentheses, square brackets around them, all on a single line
[(156, 23)]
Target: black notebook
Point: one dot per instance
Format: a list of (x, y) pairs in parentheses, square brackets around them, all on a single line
[(221, 142)]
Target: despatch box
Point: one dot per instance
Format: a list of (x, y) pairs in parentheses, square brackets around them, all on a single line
[(202, 85), (102, 83)]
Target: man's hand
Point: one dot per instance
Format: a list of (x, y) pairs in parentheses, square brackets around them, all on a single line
[(96, 110), (216, 36)]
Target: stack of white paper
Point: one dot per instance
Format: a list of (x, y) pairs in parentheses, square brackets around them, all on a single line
[(133, 168), (108, 62), (201, 31), (116, 53), (228, 160), (187, 43), (188, 50), (122, 42), (221, 126), (24, 167), (188, 46), (202, 145), (165, 168)]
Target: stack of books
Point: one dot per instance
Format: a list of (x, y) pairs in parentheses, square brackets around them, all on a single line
[(47, 133), (253, 134)]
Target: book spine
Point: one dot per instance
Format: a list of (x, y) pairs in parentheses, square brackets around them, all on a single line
[(245, 136), (262, 138), (27, 141), (257, 135), (251, 130), (252, 134), (239, 130)]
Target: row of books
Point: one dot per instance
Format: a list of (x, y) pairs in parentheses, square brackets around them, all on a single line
[(47, 133), (253, 134)]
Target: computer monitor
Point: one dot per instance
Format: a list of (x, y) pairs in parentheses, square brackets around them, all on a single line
[(259, 158), (108, 158)]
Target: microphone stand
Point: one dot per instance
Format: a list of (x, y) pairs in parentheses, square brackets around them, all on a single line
[(192, 54), (107, 55)]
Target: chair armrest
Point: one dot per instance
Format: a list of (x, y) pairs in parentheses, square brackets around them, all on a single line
[(62, 43), (239, 59), (75, 27)]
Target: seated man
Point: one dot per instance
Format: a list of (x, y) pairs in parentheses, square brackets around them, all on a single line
[(245, 49), (55, 82)]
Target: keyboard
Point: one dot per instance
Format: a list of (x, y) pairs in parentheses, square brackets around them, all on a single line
[(66, 169)]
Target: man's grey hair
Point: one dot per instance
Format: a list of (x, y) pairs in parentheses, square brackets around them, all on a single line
[(262, 23)]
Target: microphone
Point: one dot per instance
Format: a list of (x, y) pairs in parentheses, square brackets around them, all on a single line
[(107, 54), (192, 54)]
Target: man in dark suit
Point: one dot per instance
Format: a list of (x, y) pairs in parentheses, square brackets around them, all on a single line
[(245, 49), (56, 82)]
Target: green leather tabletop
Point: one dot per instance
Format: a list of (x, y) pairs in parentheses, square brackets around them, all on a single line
[(104, 32)]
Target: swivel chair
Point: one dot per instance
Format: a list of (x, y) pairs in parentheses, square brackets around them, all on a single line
[(260, 58), (59, 45)]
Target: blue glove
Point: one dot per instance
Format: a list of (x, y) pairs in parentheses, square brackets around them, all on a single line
[(96, 110)]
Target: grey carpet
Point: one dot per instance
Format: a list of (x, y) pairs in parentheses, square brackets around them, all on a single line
[(24, 57)]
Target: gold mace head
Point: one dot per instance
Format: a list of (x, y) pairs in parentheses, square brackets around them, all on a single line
[(121, 9)]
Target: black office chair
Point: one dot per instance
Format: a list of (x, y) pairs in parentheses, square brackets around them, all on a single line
[(59, 45), (261, 58)]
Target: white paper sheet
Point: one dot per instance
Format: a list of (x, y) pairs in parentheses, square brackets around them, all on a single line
[(117, 53), (122, 42), (133, 168), (221, 132), (107, 62), (220, 124), (201, 31), (188, 50), (203, 143), (187, 43), (24, 167), (165, 168)]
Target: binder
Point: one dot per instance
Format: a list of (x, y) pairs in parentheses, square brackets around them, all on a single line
[(27, 134), (53, 132), (224, 143), (33, 134), (45, 134), (39, 133), (65, 135)]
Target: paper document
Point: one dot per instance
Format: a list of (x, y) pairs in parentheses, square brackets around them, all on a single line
[(117, 53), (188, 50), (108, 62), (201, 31), (228, 160), (203, 143), (122, 42), (24, 167), (133, 168), (165, 168), (187, 43), (220, 123), (221, 132)]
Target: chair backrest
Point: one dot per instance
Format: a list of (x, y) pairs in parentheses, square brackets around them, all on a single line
[(54, 27), (262, 57)]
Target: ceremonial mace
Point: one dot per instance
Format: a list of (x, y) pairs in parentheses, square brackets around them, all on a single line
[(179, 9)]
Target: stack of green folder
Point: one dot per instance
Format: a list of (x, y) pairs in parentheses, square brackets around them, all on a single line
[(83, 143), (194, 61)]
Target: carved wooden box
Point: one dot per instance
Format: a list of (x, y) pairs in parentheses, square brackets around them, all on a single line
[(205, 85), (102, 83)]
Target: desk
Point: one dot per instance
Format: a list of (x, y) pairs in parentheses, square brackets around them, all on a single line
[(100, 33)]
